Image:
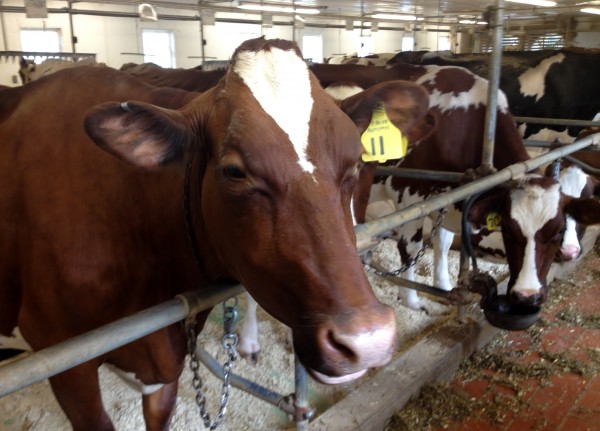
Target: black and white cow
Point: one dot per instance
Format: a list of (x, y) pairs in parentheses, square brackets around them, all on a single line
[(548, 84)]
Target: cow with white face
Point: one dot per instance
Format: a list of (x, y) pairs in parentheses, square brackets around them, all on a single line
[(489, 244), (92, 197), (532, 216)]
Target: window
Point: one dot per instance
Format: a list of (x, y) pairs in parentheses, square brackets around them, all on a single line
[(159, 47), (408, 43), (365, 46), (312, 47), (536, 42), (40, 40), (444, 43)]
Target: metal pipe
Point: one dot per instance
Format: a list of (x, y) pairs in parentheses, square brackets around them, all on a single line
[(587, 168), (403, 282), (239, 382), (73, 37), (557, 121), (422, 174), (301, 395), (489, 134), (366, 233), (72, 352), (3, 23)]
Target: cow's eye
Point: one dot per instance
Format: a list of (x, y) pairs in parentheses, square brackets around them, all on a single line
[(231, 171)]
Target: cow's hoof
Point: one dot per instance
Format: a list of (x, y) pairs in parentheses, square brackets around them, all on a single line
[(252, 357)]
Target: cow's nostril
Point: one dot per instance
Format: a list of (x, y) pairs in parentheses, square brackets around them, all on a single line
[(337, 343)]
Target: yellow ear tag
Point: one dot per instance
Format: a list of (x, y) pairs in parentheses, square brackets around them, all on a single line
[(382, 140), (493, 220)]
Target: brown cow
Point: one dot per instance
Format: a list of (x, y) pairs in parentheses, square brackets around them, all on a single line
[(87, 238), (186, 79)]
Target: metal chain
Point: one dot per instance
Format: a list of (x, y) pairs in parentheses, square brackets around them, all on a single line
[(229, 343), (412, 262)]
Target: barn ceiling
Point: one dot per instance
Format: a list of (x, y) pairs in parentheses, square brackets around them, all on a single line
[(430, 10)]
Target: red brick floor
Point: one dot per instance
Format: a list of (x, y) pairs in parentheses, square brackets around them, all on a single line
[(568, 333), (546, 378)]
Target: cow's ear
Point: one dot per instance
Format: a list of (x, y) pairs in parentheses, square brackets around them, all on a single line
[(485, 209), (139, 133), (583, 210), (406, 105)]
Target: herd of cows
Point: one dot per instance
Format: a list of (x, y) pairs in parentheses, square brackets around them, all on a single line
[(97, 161)]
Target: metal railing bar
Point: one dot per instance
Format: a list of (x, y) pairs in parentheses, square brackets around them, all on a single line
[(557, 121), (587, 168), (77, 350), (421, 174), (366, 233), (239, 382)]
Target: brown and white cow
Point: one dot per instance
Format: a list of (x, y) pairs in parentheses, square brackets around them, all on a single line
[(458, 100), (532, 214), (548, 83), (574, 182), (87, 237), (30, 71)]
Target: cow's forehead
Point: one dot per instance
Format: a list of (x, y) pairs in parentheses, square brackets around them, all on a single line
[(533, 205), (279, 80)]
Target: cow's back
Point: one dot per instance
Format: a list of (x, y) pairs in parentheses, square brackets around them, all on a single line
[(77, 217)]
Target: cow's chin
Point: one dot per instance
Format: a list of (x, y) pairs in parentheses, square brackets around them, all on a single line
[(328, 380)]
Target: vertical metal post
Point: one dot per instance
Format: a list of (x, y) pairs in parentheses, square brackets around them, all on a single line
[(487, 158), (202, 41), (73, 38), (3, 29), (463, 280), (301, 378)]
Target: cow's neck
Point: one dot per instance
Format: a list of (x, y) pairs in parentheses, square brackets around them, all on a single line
[(201, 249)]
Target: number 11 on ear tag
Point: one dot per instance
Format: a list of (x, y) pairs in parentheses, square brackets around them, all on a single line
[(382, 140)]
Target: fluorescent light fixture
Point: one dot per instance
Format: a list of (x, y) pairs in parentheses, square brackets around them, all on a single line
[(467, 21), (593, 10), (278, 8), (299, 18), (543, 3), (394, 16)]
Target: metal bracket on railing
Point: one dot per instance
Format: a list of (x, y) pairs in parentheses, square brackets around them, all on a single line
[(299, 414)]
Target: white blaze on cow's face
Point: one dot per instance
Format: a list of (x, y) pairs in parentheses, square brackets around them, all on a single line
[(532, 81), (476, 96), (279, 81), (531, 208)]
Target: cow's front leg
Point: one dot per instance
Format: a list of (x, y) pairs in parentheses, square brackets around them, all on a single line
[(159, 407), (410, 241), (441, 246), (248, 346), (78, 393)]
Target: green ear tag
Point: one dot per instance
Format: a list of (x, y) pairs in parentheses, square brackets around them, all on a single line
[(382, 140), (493, 220)]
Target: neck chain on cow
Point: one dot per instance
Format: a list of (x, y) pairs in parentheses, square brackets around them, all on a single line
[(229, 343), (229, 340), (412, 262)]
